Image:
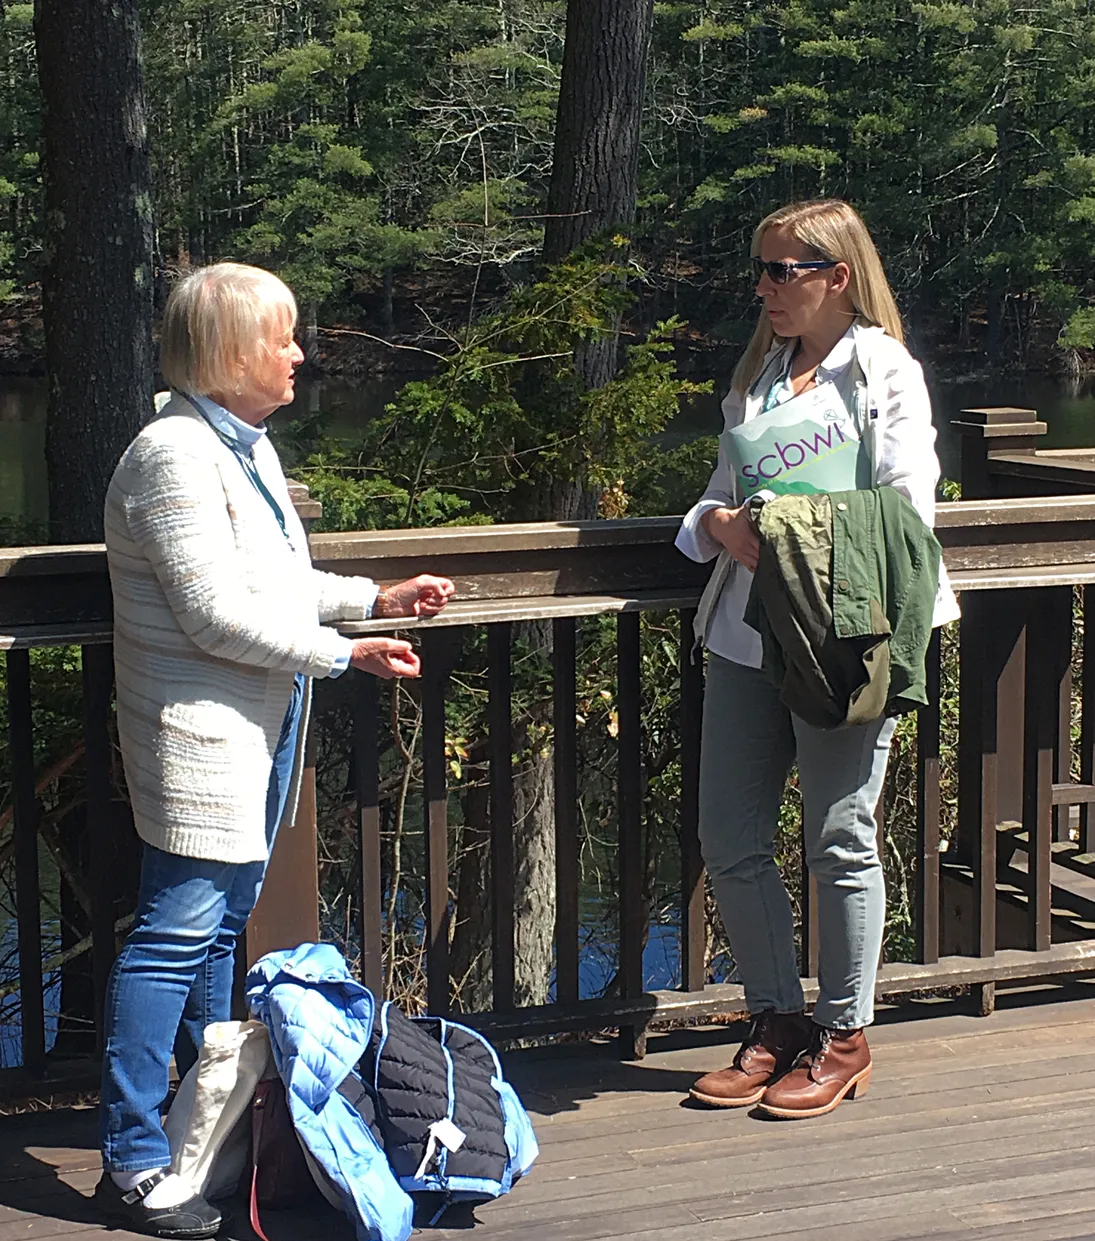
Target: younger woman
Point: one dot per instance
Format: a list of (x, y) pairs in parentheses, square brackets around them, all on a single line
[(828, 317)]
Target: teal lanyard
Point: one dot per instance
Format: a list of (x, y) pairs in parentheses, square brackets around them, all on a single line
[(250, 469), (772, 399), (774, 389)]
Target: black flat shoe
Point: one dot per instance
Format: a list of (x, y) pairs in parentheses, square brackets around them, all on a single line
[(189, 1221)]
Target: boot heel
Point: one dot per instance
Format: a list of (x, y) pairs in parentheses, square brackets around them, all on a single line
[(861, 1087)]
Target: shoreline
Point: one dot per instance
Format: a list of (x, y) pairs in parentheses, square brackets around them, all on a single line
[(347, 353)]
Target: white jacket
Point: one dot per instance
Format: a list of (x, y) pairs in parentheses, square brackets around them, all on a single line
[(884, 387), (214, 613)]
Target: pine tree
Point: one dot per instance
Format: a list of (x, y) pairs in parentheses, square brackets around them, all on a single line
[(97, 284)]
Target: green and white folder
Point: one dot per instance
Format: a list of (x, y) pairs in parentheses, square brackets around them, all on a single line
[(806, 445)]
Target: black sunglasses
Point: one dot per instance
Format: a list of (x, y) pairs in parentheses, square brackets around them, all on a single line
[(779, 271)]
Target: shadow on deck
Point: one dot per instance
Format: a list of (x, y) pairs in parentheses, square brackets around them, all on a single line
[(974, 1128)]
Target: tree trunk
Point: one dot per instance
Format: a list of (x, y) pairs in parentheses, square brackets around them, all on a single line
[(595, 169), (311, 334), (595, 164), (97, 286), (998, 344), (389, 299), (594, 184)]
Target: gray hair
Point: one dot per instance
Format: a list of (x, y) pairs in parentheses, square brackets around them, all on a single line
[(216, 324)]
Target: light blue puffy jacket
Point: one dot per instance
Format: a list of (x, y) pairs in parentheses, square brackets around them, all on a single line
[(320, 1020)]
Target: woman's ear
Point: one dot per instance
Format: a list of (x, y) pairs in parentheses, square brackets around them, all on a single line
[(840, 277)]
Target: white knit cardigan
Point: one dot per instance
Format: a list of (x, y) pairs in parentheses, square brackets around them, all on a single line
[(214, 613)]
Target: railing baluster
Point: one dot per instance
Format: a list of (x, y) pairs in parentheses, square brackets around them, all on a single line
[(631, 850), (978, 689), (500, 712), (27, 894), (1062, 726), (693, 921), (564, 710), (98, 684), (1042, 687), (927, 812), (366, 708), (1087, 718), (435, 676)]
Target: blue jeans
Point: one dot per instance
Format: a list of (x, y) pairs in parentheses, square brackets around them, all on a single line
[(750, 740), (174, 974)]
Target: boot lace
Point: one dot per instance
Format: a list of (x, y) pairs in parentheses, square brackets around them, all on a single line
[(759, 1030), (821, 1038)]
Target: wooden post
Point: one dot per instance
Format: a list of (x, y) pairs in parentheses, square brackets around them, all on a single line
[(1087, 725), (98, 685), (693, 920), (366, 695), (440, 649), (500, 715), (564, 708), (28, 911), (990, 432), (1041, 693), (928, 807), (287, 912), (633, 915)]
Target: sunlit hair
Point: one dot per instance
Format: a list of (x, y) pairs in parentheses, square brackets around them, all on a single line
[(833, 230), (217, 325)]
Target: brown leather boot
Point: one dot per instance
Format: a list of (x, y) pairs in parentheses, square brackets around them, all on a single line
[(772, 1045), (837, 1065)]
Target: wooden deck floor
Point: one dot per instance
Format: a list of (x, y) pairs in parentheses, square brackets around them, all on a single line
[(973, 1128)]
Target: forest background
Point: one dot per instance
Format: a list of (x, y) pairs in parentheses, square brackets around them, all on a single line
[(394, 163), (378, 154)]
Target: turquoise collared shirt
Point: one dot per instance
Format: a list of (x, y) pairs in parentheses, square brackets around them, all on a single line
[(830, 370), (242, 437)]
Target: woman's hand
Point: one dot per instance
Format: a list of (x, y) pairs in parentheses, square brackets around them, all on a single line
[(733, 529), (417, 596), (386, 658)]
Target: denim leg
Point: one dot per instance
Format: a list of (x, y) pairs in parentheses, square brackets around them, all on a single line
[(246, 886), (841, 772), (745, 756), (189, 912), (180, 908), (210, 997)]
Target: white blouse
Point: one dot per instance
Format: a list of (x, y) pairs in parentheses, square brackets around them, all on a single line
[(889, 384)]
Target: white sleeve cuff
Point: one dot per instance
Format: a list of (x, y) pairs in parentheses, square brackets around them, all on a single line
[(342, 659), (692, 539), (374, 590)]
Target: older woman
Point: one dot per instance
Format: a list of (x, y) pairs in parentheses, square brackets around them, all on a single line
[(218, 631)]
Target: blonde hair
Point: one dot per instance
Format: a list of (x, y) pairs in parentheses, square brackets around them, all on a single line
[(834, 230), (216, 325)]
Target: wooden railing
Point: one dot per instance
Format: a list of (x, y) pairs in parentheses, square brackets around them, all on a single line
[(999, 905)]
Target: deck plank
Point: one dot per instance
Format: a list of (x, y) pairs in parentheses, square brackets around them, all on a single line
[(973, 1128), (756, 1188), (921, 1149)]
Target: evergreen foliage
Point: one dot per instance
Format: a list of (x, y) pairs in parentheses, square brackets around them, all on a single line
[(349, 143), (505, 416)]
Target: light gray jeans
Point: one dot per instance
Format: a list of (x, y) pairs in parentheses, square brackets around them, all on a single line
[(749, 742)]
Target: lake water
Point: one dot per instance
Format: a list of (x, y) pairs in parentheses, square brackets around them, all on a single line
[(1068, 409), (346, 407)]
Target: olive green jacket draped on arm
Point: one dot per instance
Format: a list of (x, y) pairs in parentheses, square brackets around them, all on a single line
[(843, 599)]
